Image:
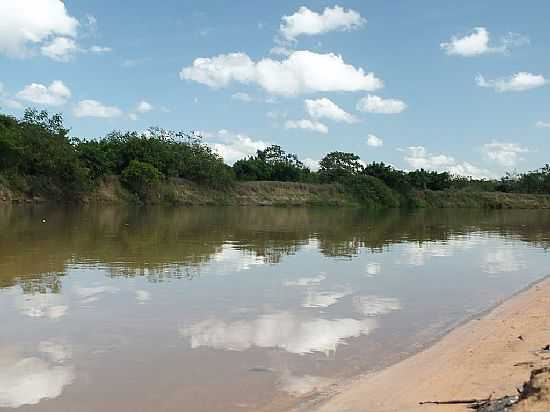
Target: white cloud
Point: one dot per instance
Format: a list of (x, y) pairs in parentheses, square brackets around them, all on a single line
[(326, 108), (469, 170), (312, 164), (542, 125), (302, 72), (60, 49), (419, 158), (281, 51), (100, 49), (6, 101), (93, 108), (477, 43), (374, 141), (234, 146), (506, 154), (307, 124), (144, 107), (282, 330), (56, 94), (26, 381), (243, 97), (376, 104), (518, 82), (307, 22), (24, 23)]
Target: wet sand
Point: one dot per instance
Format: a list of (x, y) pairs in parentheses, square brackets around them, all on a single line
[(484, 357)]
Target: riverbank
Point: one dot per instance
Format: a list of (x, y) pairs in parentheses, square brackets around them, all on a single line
[(489, 356), (265, 193)]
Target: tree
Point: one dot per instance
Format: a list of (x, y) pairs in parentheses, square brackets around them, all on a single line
[(338, 165), (272, 163)]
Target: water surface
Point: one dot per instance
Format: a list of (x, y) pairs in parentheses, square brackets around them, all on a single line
[(238, 309)]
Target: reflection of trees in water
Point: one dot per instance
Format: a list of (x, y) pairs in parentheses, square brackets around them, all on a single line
[(180, 243)]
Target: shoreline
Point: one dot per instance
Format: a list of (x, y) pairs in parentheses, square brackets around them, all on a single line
[(482, 357), (180, 192)]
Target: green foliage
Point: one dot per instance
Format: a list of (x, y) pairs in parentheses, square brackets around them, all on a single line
[(141, 178), (536, 182), (273, 164), (338, 165), (38, 157), (370, 191), (38, 147)]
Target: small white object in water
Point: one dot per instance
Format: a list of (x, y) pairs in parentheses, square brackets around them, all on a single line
[(43, 220)]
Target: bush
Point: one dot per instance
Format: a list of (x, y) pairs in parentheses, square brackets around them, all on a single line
[(141, 178), (370, 191)]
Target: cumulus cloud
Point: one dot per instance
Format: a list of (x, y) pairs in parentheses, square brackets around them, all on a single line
[(243, 97), (144, 107), (60, 49), (93, 108), (312, 164), (281, 330), (308, 22), (56, 94), (506, 154), (376, 104), (419, 158), (307, 124), (477, 43), (234, 146), (326, 108), (374, 141), (301, 72), (518, 82), (27, 23), (6, 101), (541, 125)]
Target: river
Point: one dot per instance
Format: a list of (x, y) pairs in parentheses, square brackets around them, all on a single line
[(209, 309)]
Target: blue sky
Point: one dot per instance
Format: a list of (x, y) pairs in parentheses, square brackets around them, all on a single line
[(458, 87)]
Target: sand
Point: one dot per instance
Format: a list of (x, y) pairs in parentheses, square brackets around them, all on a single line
[(484, 357)]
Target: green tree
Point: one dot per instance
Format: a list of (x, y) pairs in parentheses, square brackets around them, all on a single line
[(337, 165)]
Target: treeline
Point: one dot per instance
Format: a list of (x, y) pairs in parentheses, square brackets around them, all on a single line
[(38, 156)]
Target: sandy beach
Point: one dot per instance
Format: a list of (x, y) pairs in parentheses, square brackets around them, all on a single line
[(489, 356)]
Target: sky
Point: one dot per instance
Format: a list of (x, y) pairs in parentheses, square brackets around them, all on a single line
[(460, 87)]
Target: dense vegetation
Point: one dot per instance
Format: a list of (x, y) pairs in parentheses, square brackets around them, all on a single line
[(39, 157)]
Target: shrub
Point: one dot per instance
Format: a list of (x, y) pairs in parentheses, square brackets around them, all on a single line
[(141, 178)]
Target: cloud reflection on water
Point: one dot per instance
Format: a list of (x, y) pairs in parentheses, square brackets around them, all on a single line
[(281, 330), (26, 381)]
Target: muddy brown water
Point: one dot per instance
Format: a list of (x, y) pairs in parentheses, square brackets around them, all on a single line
[(238, 309)]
